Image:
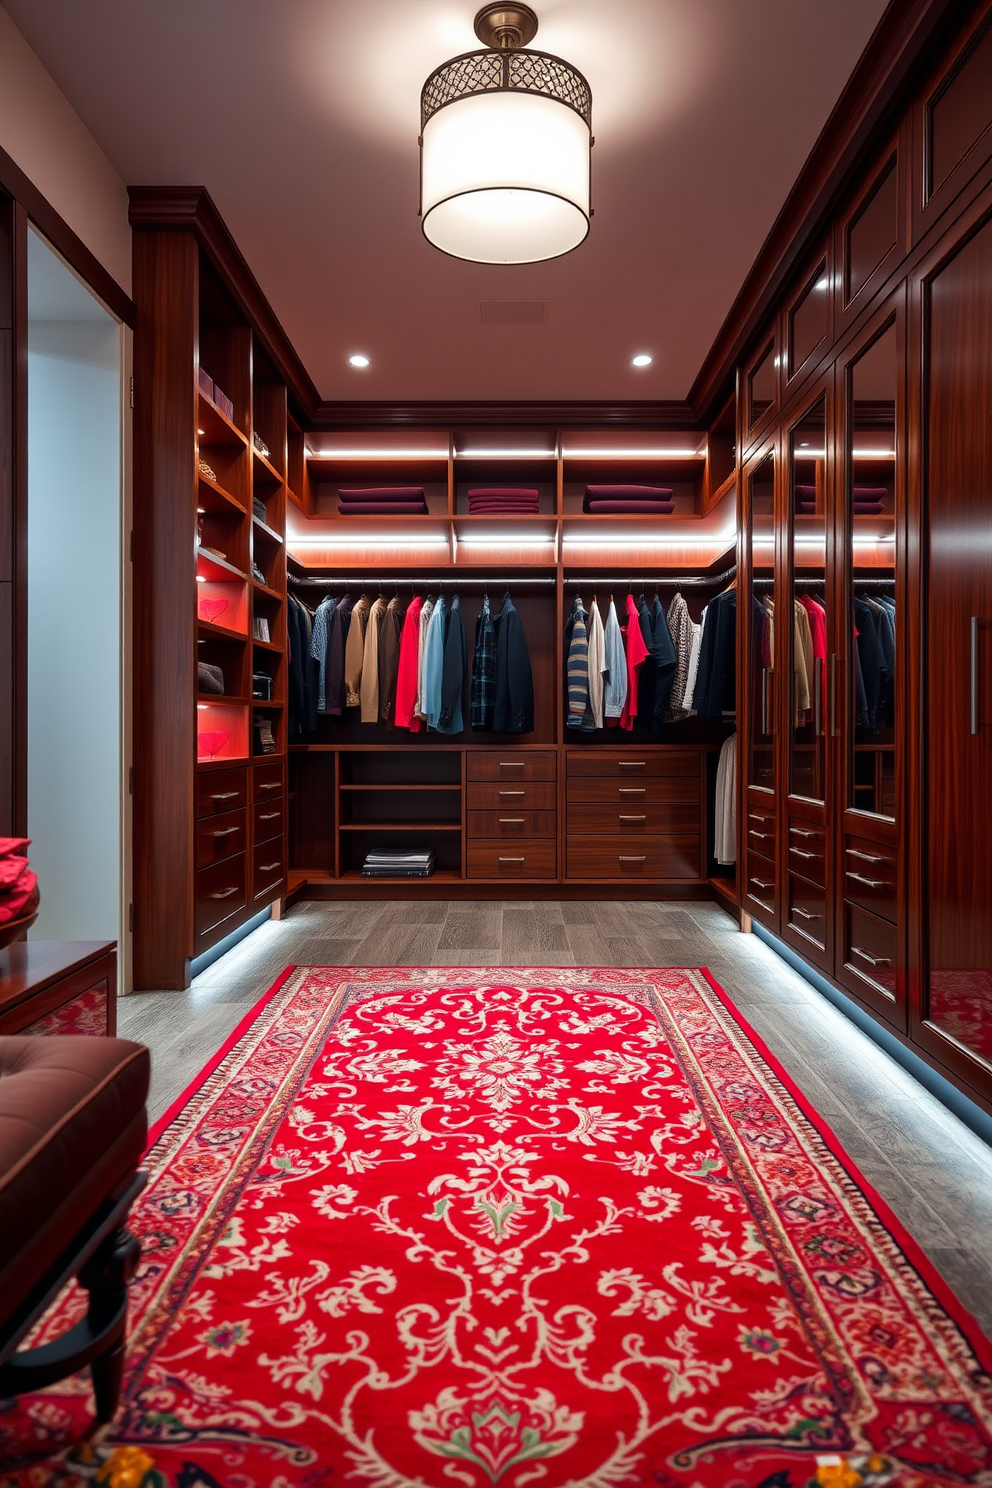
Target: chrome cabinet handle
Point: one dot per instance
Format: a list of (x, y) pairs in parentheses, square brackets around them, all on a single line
[(511, 793), (626, 858), (761, 883), (872, 960), (870, 883), (271, 785), (511, 821), (513, 860), (270, 815), (764, 702), (852, 852), (227, 831), (800, 854), (632, 790), (621, 817), (224, 795), (631, 764), (818, 697), (762, 836), (805, 913), (224, 894), (808, 836), (268, 867), (513, 764), (976, 626), (832, 678)]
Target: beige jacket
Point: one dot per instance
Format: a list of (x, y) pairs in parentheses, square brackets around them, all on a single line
[(369, 691), (354, 651)]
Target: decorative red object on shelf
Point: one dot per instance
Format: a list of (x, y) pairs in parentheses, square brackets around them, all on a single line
[(19, 894), (211, 609), (210, 742)]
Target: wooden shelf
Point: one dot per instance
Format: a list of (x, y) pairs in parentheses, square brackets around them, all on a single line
[(392, 826), (220, 569), (270, 475), (394, 787), (265, 529), (267, 645), (222, 503), (217, 427), (220, 632), (440, 875), (265, 703), (265, 591), (221, 699)]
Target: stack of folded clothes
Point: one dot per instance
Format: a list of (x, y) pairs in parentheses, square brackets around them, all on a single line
[(629, 500), (19, 894), (383, 501), (398, 863), (484, 501), (866, 501)]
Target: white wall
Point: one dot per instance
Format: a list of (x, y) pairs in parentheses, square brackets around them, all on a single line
[(42, 132), (74, 603)]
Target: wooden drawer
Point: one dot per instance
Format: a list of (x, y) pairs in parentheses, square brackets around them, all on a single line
[(220, 790), (511, 764), (611, 858), (638, 818), (615, 764), (509, 822), (761, 830), (219, 893), (267, 782), (870, 877), (220, 836), (870, 948), (808, 852), (808, 909), (761, 880), (541, 796), (268, 819), (633, 792), (524, 859), (268, 868)]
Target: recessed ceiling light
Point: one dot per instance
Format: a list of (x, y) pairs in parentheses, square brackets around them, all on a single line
[(642, 359), (359, 360)]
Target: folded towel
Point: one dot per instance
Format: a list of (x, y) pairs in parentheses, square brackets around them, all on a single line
[(630, 508), (381, 493), (869, 493), (524, 491), (631, 493), (383, 509)]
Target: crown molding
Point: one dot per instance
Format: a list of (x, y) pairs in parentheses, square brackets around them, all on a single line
[(485, 414), (192, 209), (903, 39)]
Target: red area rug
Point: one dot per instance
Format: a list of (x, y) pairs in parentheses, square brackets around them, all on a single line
[(569, 1228)]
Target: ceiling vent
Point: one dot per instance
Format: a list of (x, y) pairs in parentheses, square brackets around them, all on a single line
[(514, 312)]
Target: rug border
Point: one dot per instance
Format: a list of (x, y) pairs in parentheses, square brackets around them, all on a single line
[(173, 1109), (942, 1291)]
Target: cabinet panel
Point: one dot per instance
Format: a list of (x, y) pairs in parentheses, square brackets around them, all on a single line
[(527, 796), (807, 911), (605, 764), (510, 822), (613, 858), (626, 791), (511, 765), (526, 859), (220, 836), (220, 892), (268, 868), (603, 818), (808, 852), (870, 950), (267, 782), (220, 790), (870, 877), (760, 882)]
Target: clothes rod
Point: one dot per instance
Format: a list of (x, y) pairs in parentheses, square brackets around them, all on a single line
[(682, 583), (455, 581)]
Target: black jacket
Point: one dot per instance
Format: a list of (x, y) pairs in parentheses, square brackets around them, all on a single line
[(453, 672), (513, 712)]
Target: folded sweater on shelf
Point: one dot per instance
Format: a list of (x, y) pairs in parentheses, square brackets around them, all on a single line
[(383, 509), (621, 508), (627, 493)]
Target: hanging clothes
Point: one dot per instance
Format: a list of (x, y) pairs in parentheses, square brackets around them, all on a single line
[(802, 665), (484, 669), (665, 664), (577, 668), (299, 624), (689, 699), (389, 658), (714, 692), (406, 675), (637, 653), (871, 664), (596, 637), (425, 620), (680, 630), (318, 645), (370, 663), (513, 708), (354, 651), (817, 617), (453, 672), (725, 805), (433, 673), (337, 635), (615, 693)]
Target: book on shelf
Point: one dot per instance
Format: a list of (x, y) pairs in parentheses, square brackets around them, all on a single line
[(260, 628)]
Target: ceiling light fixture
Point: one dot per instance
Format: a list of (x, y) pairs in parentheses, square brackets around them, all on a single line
[(505, 141), (359, 359), (642, 359)]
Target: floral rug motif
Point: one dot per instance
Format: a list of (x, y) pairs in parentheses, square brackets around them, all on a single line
[(488, 1229)]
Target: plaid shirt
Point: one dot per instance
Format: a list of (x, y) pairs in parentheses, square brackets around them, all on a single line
[(484, 669)]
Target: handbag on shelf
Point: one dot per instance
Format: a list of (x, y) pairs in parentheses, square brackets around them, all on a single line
[(209, 678)]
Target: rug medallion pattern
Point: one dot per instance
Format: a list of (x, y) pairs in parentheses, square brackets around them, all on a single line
[(562, 1228)]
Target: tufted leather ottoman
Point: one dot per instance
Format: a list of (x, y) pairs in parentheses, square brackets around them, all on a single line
[(72, 1132)]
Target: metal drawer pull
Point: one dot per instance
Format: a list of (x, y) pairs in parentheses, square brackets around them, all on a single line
[(513, 860), (800, 854), (621, 817), (632, 790), (271, 785), (270, 815), (872, 960), (762, 836), (818, 697), (761, 820), (805, 913), (227, 831), (870, 883), (512, 793), (268, 867), (809, 836), (224, 894), (513, 764), (225, 796), (511, 821), (761, 883), (627, 859), (867, 857), (975, 629), (631, 764)]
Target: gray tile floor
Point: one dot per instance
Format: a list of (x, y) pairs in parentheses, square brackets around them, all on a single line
[(930, 1168)]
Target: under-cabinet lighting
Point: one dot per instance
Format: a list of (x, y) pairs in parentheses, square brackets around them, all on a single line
[(499, 539), (374, 454), (200, 579), (611, 544), (633, 454), (873, 454), (505, 454), (201, 431), (367, 542)]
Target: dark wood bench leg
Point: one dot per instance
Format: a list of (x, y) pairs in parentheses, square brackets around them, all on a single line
[(107, 1276)]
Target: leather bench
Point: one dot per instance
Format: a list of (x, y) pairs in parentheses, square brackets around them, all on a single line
[(72, 1133)]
